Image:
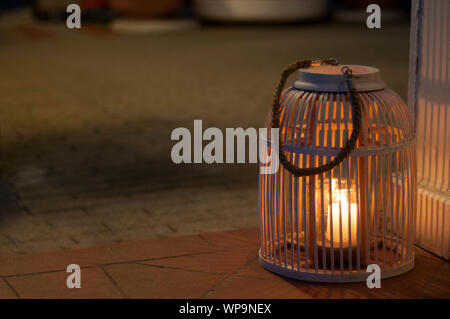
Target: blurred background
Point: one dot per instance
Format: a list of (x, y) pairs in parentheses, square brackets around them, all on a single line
[(86, 114)]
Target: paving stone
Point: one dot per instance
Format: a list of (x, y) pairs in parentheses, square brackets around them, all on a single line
[(4, 240), (124, 220), (67, 218), (94, 284), (85, 229), (144, 281), (45, 245), (9, 249), (89, 240), (28, 231)]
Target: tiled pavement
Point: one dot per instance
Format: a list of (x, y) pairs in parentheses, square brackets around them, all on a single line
[(86, 120), (209, 265)]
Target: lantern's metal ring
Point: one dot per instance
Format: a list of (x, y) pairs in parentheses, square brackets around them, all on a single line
[(347, 71)]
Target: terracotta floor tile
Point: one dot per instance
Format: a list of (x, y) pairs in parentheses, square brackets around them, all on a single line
[(415, 283), (223, 262), (250, 288), (120, 252), (5, 291), (278, 287), (94, 284), (233, 239), (144, 281), (439, 286), (250, 234), (255, 270), (212, 265)]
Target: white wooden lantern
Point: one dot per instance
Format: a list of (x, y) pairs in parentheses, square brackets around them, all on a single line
[(329, 227)]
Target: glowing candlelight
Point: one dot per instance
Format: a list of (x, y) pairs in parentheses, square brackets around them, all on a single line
[(340, 214)]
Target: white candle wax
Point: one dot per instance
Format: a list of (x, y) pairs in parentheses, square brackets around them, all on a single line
[(341, 215)]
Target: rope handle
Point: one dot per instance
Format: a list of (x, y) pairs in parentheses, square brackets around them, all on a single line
[(356, 118)]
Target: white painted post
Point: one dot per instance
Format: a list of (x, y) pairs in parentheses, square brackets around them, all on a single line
[(429, 102)]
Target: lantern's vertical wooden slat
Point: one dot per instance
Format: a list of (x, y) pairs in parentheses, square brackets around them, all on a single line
[(341, 244), (398, 207), (277, 217), (304, 220), (269, 215), (322, 215), (296, 161), (316, 143), (350, 217), (286, 122), (295, 135), (385, 191), (339, 106), (279, 182), (330, 144), (261, 211), (362, 174), (293, 206), (331, 219), (377, 199), (311, 217), (283, 215), (297, 220), (307, 192), (303, 121), (324, 115), (345, 168), (358, 214), (272, 216)]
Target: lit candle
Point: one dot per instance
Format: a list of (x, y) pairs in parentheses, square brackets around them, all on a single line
[(340, 209)]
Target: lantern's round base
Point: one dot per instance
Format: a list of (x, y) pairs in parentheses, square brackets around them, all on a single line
[(336, 276)]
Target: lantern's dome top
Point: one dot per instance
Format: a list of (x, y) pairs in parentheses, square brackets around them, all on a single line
[(329, 78)]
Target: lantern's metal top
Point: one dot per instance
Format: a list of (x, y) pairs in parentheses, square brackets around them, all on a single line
[(329, 78)]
